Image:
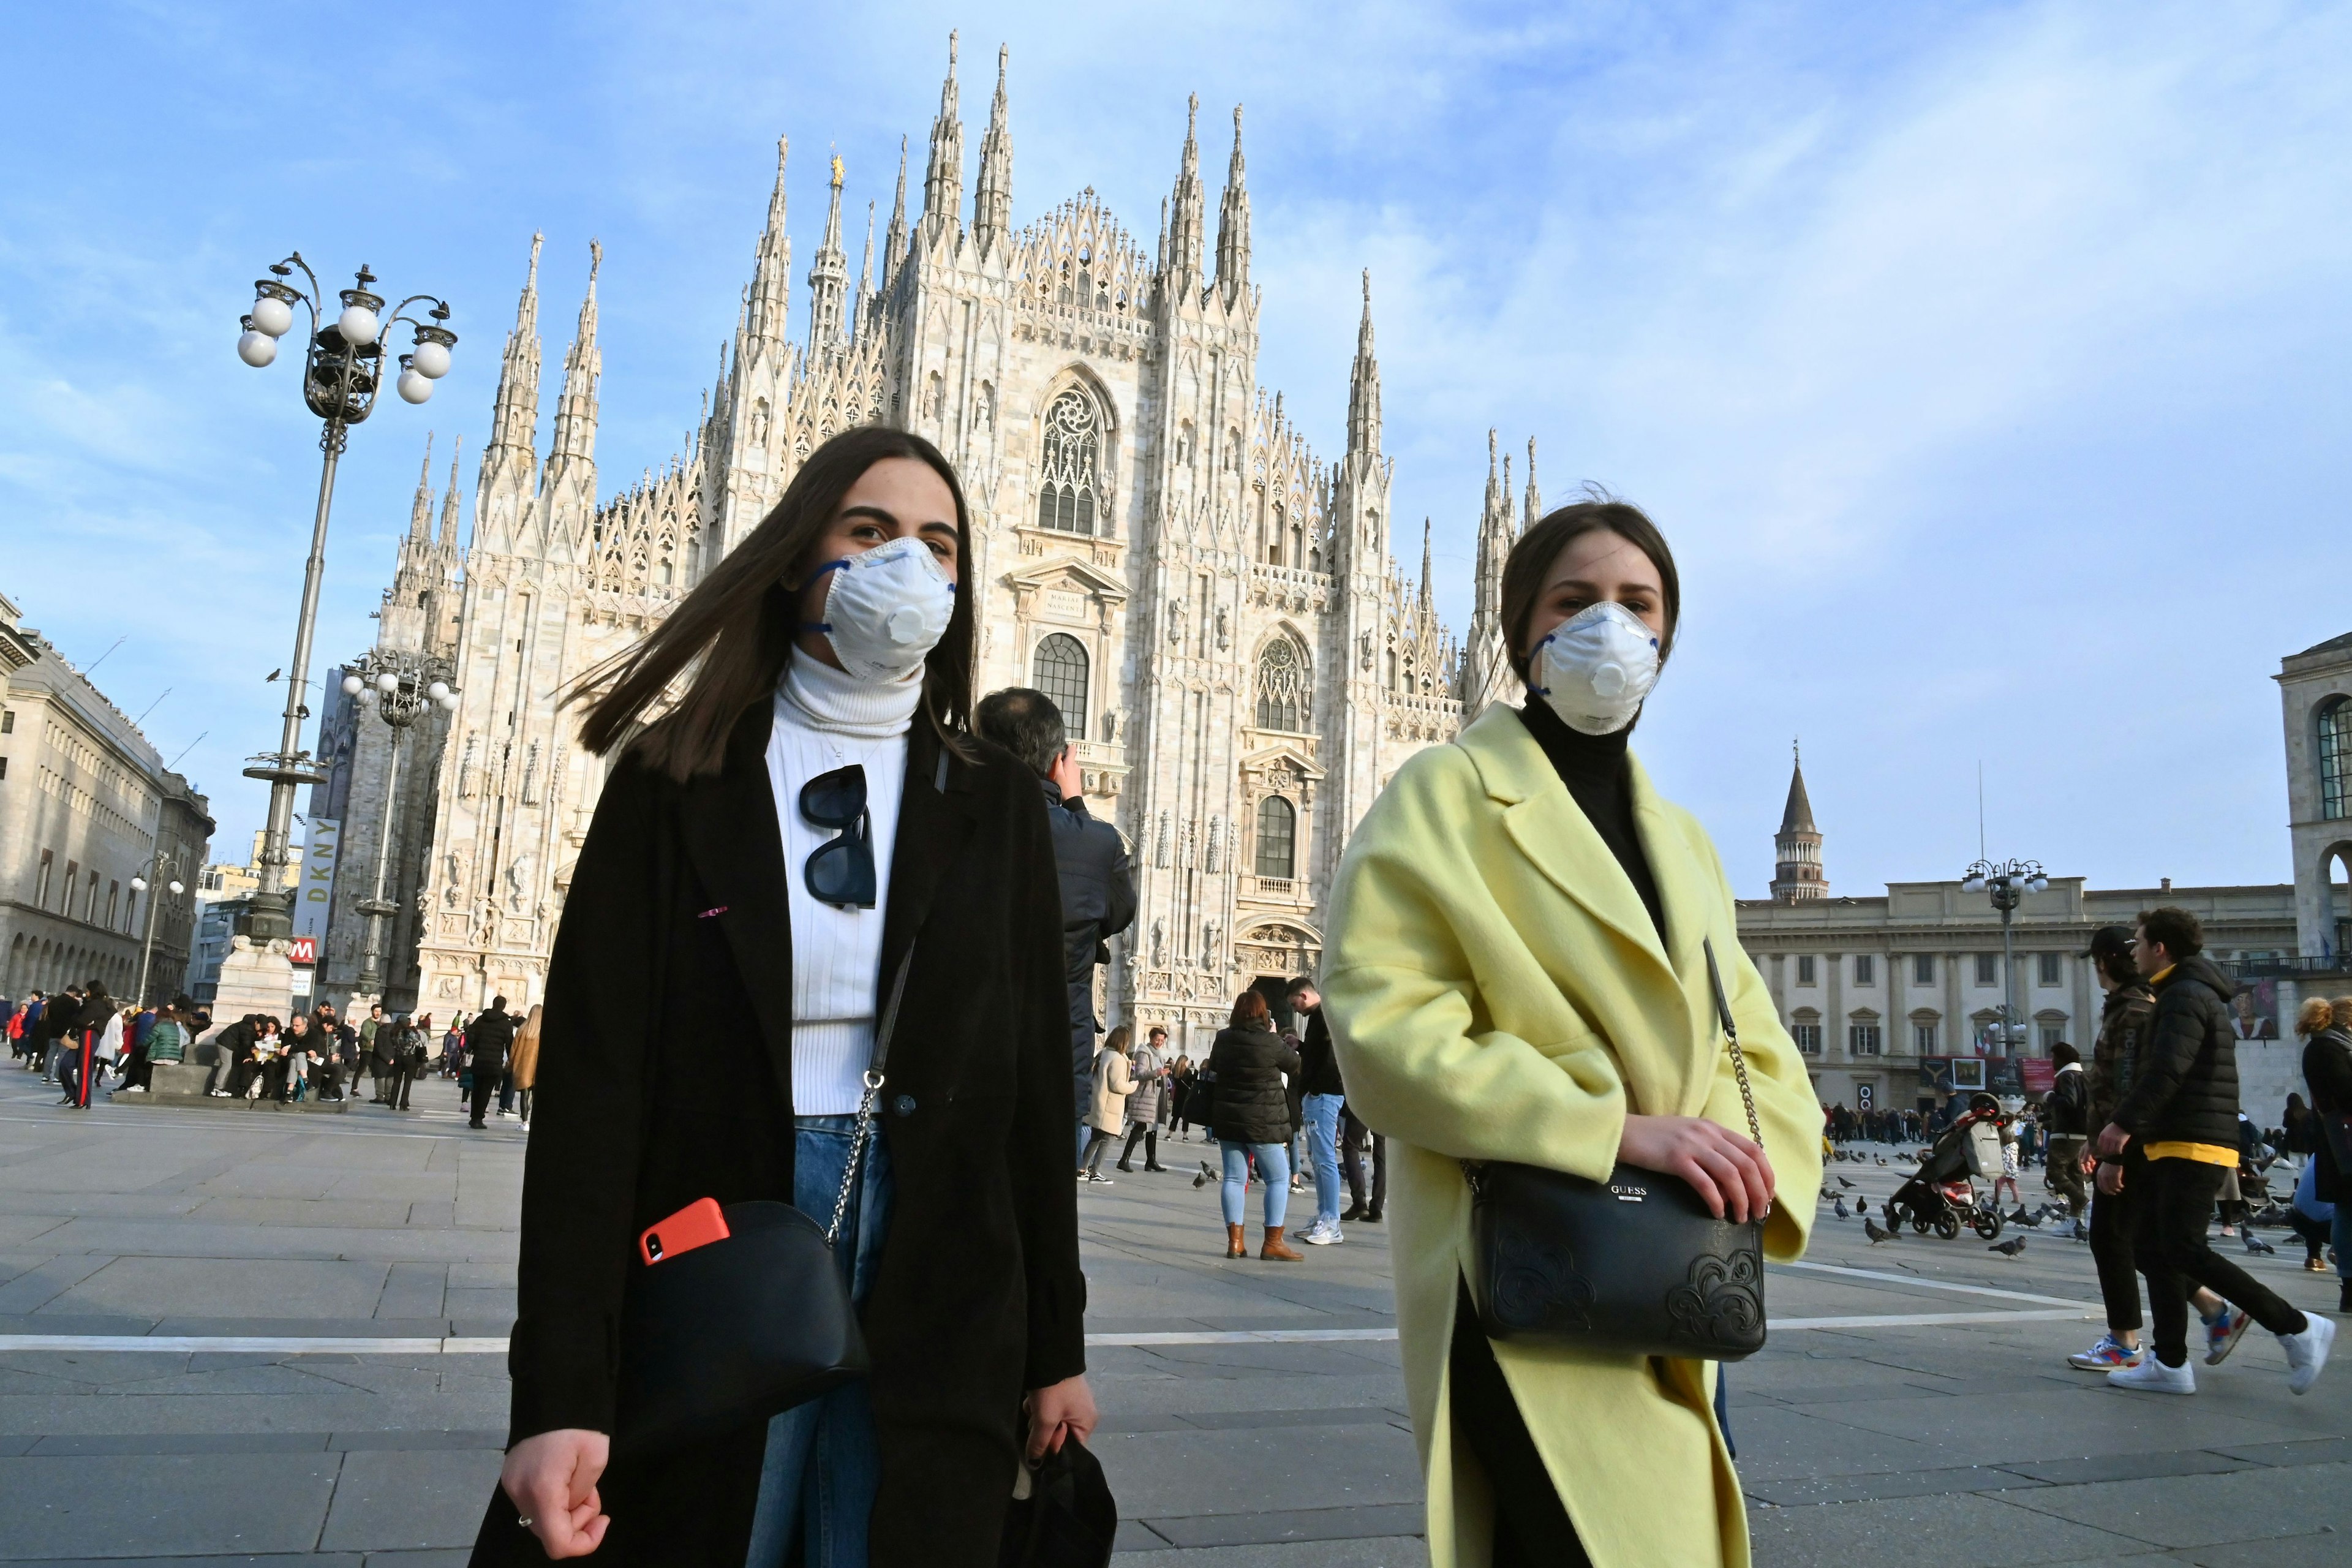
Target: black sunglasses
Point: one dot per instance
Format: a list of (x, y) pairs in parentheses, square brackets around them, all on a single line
[(840, 872)]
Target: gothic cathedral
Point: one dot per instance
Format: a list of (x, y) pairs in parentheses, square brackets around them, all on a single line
[(1215, 609)]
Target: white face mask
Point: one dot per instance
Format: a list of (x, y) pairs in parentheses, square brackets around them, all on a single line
[(886, 610), (1596, 667)]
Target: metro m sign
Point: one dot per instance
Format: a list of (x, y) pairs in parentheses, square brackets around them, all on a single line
[(303, 950)]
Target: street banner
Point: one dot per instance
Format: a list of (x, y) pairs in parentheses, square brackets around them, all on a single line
[(314, 896), (2041, 1073)]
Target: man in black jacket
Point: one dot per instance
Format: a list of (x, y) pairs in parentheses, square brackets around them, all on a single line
[(1098, 882), (2183, 1109), (58, 1026), (486, 1039)]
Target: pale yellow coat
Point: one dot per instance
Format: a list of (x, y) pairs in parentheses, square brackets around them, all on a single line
[(1497, 991)]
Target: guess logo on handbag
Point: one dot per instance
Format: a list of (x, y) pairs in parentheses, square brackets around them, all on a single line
[(1626, 1193)]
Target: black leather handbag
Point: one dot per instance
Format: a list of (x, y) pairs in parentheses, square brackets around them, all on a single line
[(1633, 1266), (740, 1330)]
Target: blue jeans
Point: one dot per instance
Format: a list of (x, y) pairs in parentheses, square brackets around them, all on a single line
[(822, 1467), (1272, 1174), (1322, 1114)]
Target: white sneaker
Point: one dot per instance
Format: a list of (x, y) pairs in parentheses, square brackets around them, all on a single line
[(2152, 1376), (1322, 1235), (2306, 1352)]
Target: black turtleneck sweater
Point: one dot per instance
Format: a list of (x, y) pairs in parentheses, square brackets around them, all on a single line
[(1595, 769)]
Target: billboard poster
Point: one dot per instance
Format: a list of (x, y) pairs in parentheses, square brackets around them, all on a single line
[(2040, 1073), (1936, 1073), (2253, 1011), (2003, 1077), (314, 896)]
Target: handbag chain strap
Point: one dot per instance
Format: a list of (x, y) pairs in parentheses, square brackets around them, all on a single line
[(867, 1101), (1731, 1040)]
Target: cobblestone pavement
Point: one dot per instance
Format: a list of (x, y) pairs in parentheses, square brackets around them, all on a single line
[(321, 1302)]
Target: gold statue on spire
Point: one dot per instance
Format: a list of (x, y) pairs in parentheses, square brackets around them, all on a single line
[(836, 170)]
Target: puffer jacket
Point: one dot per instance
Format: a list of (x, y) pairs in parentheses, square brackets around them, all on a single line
[(1113, 1082), (1250, 1106), (2327, 1069), (1147, 1106), (2185, 1082), (2122, 1029)]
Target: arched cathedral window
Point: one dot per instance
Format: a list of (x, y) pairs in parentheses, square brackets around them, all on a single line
[(1061, 674), (2335, 752), (1277, 839), (1282, 690), (1068, 477)]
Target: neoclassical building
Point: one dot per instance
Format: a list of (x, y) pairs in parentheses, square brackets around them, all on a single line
[(1216, 608)]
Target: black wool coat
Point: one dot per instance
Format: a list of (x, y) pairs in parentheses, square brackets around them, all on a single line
[(665, 1075)]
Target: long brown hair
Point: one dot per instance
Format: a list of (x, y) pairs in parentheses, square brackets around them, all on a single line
[(735, 631), (1250, 1012), (1531, 558)]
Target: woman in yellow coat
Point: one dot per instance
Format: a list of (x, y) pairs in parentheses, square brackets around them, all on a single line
[(1518, 973)]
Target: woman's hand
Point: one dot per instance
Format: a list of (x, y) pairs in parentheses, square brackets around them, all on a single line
[(1727, 1170), (1064, 1409), (552, 1480)]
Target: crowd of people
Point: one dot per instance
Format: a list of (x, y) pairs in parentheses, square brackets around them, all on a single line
[(85, 1041)]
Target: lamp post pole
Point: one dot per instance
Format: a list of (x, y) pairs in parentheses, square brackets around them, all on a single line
[(147, 943), (2006, 882), (343, 371), (400, 691)]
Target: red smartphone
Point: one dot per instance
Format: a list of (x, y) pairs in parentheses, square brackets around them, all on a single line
[(699, 1224)]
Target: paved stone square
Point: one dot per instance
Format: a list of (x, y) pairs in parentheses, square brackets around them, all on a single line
[(323, 1302)]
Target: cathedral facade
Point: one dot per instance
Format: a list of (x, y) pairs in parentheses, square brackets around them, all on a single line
[(1216, 610)]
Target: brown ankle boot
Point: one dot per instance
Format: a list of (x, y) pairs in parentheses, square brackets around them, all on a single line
[(1234, 1246), (1275, 1249)]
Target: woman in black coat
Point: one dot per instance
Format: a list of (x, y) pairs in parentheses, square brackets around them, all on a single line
[(679, 1060), (1252, 1120)]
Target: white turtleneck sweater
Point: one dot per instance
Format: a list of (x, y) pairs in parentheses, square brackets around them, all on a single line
[(826, 718)]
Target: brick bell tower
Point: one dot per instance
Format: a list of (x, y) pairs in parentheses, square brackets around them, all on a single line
[(1797, 876)]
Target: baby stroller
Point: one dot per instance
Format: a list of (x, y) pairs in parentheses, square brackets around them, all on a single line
[(1940, 1194)]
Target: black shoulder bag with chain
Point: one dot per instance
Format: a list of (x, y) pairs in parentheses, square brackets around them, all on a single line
[(1635, 1266), (744, 1328)]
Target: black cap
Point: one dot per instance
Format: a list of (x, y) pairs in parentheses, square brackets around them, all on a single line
[(2110, 942)]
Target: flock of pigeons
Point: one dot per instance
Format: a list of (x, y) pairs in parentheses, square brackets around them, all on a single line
[(1877, 1232)]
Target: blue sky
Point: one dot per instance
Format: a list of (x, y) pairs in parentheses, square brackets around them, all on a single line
[(1985, 364)]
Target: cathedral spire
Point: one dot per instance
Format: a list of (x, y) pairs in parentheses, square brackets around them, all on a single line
[(772, 277), (1233, 225), (866, 276), (1427, 571), (1531, 505), (992, 207), (583, 366), (420, 511), (1797, 873), (828, 274), (943, 180), (514, 418), (451, 509), (1184, 235), (1364, 384), (894, 242)]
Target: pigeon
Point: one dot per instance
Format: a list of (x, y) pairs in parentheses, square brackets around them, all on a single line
[(2256, 1244), (1844, 1183), (1206, 1175), (2031, 1221), (1861, 1206), (1869, 1229), (1843, 1212), (1882, 1159), (273, 675), (2009, 1248)]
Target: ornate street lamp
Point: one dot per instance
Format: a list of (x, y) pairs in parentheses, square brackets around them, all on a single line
[(342, 372), (138, 884), (401, 690), (2007, 882)]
